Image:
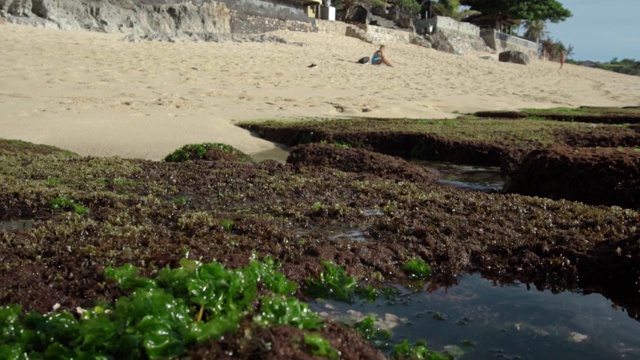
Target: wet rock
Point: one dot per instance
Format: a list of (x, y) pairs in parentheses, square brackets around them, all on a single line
[(360, 161), (598, 176)]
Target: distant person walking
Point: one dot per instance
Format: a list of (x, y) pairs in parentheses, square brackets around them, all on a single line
[(379, 58), (561, 59)]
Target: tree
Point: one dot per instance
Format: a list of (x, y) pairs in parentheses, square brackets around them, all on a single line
[(408, 7), (345, 6), (451, 8), (447, 8), (552, 49), (543, 10), (534, 30)]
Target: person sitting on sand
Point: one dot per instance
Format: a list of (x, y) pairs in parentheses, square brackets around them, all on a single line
[(379, 58)]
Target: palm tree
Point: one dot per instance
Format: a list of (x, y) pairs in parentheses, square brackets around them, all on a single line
[(451, 8), (535, 30)]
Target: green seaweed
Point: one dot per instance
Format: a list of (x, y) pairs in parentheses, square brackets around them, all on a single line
[(367, 329), (320, 346), (333, 283), (417, 268), (418, 350), (162, 317), (192, 152), (64, 203)]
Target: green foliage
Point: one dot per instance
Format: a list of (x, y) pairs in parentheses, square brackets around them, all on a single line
[(162, 317), (535, 30), (333, 283), (545, 10), (450, 8), (417, 268), (408, 7), (64, 203), (198, 151), (378, 4), (419, 350), (553, 50), (626, 66)]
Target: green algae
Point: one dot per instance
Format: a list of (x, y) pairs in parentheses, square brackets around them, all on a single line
[(134, 219), (191, 152)]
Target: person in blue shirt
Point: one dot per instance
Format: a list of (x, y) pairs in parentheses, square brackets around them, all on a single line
[(379, 58)]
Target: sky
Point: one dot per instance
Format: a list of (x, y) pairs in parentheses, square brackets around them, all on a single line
[(600, 30)]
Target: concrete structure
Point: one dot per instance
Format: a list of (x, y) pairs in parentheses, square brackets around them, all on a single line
[(443, 23), (378, 35), (502, 42), (463, 35)]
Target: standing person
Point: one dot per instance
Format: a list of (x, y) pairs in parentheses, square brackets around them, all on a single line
[(378, 57), (561, 59)]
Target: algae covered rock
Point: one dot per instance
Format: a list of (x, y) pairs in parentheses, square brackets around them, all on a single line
[(207, 151)]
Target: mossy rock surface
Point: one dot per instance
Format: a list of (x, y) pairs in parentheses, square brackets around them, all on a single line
[(153, 214), (207, 152)]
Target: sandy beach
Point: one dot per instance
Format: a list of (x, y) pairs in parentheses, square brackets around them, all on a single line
[(98, 95)]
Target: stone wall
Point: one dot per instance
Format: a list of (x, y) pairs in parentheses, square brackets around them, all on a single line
[(331, 27), (503, 42), (445, 23), (456, 42), (256, 16), (378, 35)]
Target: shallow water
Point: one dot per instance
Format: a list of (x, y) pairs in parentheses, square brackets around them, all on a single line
[(469, 177), (479, 320), (279, 153)]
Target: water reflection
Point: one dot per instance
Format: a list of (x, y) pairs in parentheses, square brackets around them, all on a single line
[(469, 177), (485, 321), (278, 153)]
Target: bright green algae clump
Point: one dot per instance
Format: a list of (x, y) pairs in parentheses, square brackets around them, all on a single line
[(162, 317)]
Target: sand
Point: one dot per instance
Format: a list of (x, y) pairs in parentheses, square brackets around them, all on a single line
[(98, 95)]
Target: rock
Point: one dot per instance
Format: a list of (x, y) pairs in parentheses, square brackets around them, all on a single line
[(419, 40), (359, 15), (404, 23), (164, 20), (439, 41), (15, 7), (379, 10), (516, 57)]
